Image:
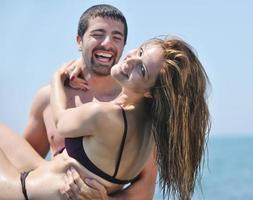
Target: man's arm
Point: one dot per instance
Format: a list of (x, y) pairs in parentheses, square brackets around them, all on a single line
[(35, 131), (144, 187)]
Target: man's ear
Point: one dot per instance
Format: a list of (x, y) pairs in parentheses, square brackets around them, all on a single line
[(79, 42), (147, 95)]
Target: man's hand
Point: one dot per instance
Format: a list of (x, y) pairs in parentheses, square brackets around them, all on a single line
[(76, 189)]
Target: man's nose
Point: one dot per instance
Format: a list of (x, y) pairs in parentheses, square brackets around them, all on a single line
[(107, 41)]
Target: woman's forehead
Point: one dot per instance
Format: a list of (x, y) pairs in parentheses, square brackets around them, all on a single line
[(153, 57), (152, 50), (153, 41), (152, 47)]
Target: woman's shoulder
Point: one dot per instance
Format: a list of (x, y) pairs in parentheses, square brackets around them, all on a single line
[(109, 115), (106, 108)]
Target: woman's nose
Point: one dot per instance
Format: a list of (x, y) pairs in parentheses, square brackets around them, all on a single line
[(131, 54)]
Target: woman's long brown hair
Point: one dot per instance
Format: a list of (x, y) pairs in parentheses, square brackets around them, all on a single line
[(180, 118)]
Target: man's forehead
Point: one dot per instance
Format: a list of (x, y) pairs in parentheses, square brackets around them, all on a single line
[(100, 23), (105, 20)]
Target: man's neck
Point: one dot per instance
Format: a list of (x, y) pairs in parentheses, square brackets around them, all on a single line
[(104, 88)]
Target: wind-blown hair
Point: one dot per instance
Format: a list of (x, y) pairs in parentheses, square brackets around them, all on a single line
[(104, 11), (180, 118)]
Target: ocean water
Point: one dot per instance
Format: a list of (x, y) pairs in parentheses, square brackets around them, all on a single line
[(227, 172)]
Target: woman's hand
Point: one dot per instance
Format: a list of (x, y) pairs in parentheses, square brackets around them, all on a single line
[(76, 189), (75, 72)]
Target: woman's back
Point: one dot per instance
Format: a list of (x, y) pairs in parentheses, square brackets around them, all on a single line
[(118, 147)]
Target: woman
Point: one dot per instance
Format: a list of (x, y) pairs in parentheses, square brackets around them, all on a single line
[(162, 107)]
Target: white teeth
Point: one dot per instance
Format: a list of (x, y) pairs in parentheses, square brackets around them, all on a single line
[(107, 55)]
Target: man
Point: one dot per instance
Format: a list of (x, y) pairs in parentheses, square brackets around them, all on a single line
[(102, 34)]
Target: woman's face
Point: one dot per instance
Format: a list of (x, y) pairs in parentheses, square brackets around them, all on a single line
[(140, 68)]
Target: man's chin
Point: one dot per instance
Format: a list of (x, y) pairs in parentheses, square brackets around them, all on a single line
[(102, 72)]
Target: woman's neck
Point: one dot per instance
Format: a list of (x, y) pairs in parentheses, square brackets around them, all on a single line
[(128, 99)]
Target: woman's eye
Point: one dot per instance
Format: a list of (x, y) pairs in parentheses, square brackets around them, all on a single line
[(143, 71), (140, 52)]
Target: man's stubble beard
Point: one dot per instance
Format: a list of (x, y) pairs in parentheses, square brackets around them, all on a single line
[(101, 70)]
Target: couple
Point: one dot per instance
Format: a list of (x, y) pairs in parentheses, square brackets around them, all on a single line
[(160, 107)]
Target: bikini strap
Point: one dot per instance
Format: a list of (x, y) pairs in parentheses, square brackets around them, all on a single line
[(122, 142), (23, 177)]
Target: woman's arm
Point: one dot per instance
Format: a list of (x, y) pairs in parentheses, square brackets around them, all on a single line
[(71, 122), (58, 97)]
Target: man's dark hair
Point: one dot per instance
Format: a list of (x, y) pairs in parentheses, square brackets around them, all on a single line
[(104, 11)]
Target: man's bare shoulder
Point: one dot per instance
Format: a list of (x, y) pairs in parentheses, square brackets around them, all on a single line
[(44, 91), (41, 99)]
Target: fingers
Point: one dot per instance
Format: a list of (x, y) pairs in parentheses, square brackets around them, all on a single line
[(66, 190), (76, 69), (69, 68), (77, 179), (95, 185), (97, 189), (92, 191), (73, 186), (70, 63), (79, 83), (77, 185), (74, 73), (76, 189), (63, 68), (67, 65)]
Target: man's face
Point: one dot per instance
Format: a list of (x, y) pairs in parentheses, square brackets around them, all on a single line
[(102, 44)]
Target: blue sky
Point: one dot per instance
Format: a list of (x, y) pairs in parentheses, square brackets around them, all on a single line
[(36, 37)]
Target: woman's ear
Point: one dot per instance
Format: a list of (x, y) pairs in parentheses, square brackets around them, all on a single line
[(79, 42), (147, 95)]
